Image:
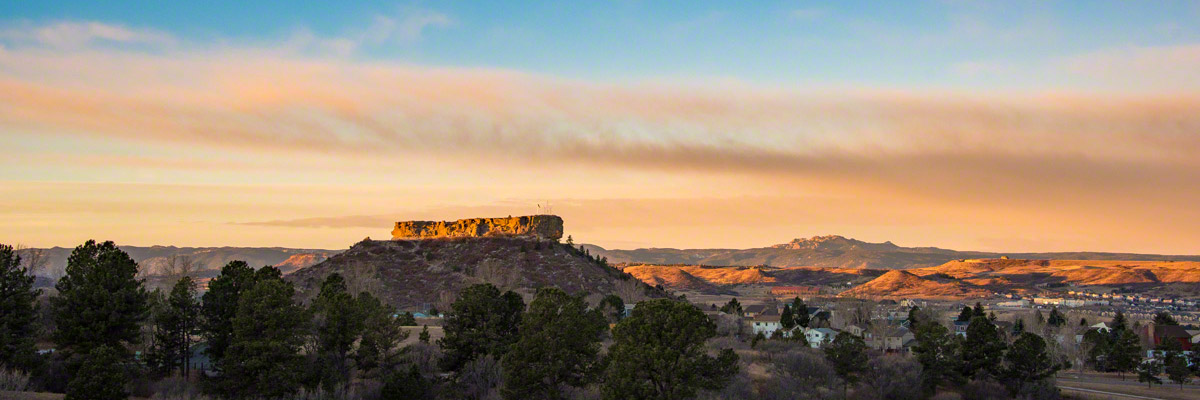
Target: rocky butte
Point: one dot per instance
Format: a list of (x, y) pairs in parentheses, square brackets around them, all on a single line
[(532, 226)]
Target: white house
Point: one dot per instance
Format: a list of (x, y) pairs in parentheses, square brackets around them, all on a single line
[(767, 325), (819, 337), (1102, 327)]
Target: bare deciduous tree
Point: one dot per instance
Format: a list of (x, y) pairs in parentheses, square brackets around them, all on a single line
[(35, 260)]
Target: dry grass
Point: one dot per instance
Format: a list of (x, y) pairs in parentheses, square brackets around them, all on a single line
[(1166, 391), (29, 396)]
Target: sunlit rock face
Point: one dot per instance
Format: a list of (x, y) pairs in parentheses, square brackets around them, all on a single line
[(535, 226)]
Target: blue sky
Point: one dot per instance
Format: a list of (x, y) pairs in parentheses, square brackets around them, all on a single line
[(952, 44)]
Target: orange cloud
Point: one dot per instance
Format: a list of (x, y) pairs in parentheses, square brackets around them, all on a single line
[(1119, 165)]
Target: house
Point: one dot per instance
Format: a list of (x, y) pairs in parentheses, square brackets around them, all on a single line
[(789, 291), (855, 330), (1102, 327), (818, 337), (755, 310), (1159, 334), (768, 325), (895, 339), (960, 328), (625, 312), (1195, 336)]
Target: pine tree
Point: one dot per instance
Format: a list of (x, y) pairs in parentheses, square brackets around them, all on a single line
[(1178, 371), (1056, 318), (800, 313), (1027, 363), (1018, 327), (379, 349), (220, 306), (101, 376), (1119, 324), (558, 347), (18, 312), (658, 352), (263, 359), (965, 315), (914, 317), (175, 319), (337, 325), (423, 337), (99, 294), (983, 349), (1164, 318), (785, 319), (732, 307), (1125, 353), (482, 321), (1148, 372), (979, 311), (939, 353), (848, 354), (408, 385)]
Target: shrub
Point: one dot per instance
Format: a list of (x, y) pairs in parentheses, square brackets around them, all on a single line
[(13, 380), (892, 378)]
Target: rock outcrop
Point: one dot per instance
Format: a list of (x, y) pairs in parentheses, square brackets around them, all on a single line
[(531, 226)]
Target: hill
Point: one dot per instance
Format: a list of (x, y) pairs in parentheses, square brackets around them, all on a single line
[(208, 260), (419, 273), (840, 252), (897, 284)]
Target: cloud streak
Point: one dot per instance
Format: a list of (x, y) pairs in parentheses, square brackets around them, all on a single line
[(1105, 162)]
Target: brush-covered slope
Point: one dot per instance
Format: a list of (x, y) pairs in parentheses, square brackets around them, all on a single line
[(1079, 272), (416, 273), (302, 260), (904, 284)]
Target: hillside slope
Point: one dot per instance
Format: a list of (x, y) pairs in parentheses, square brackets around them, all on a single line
[(419, 273), (897, 284)]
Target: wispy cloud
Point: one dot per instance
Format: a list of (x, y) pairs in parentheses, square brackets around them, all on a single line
[(1029, 157), (77, 34)]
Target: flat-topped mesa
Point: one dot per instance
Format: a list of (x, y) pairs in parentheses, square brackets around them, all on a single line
[(532, 226)]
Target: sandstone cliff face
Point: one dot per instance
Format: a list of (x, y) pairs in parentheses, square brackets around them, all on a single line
[(534, 226)]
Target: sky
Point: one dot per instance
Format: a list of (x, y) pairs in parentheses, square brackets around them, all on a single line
[(972, 125)]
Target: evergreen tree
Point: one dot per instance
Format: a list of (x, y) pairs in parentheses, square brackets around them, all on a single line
[(1027, 363), (658, 352), (379, 348), (1039, 319), (175, 319), (409, 385), (1164, 318), (786, 320), (1148, 372), (965, 315), (613, 307), (848, 354), (337, 325), (914, 317), (263, 359), (732, 307), (1083, 322), (404, 319), (800, 312), (220, 306), (558, 347), (939, 353), (18, 312), (1018, 327), (1125, 353), (1056, 318), (979, 311), (101, 376), (1098, 346), (983, 348), (1119, 324), (423, 337), (1177, 370), (481, 321), (100, 301)]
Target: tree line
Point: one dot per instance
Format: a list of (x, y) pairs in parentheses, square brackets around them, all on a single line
[(261, 342)]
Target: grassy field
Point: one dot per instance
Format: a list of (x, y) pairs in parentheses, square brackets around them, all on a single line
[(1130, 386)]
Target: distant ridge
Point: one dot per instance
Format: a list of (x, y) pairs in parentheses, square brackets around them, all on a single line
[(833, 251)]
